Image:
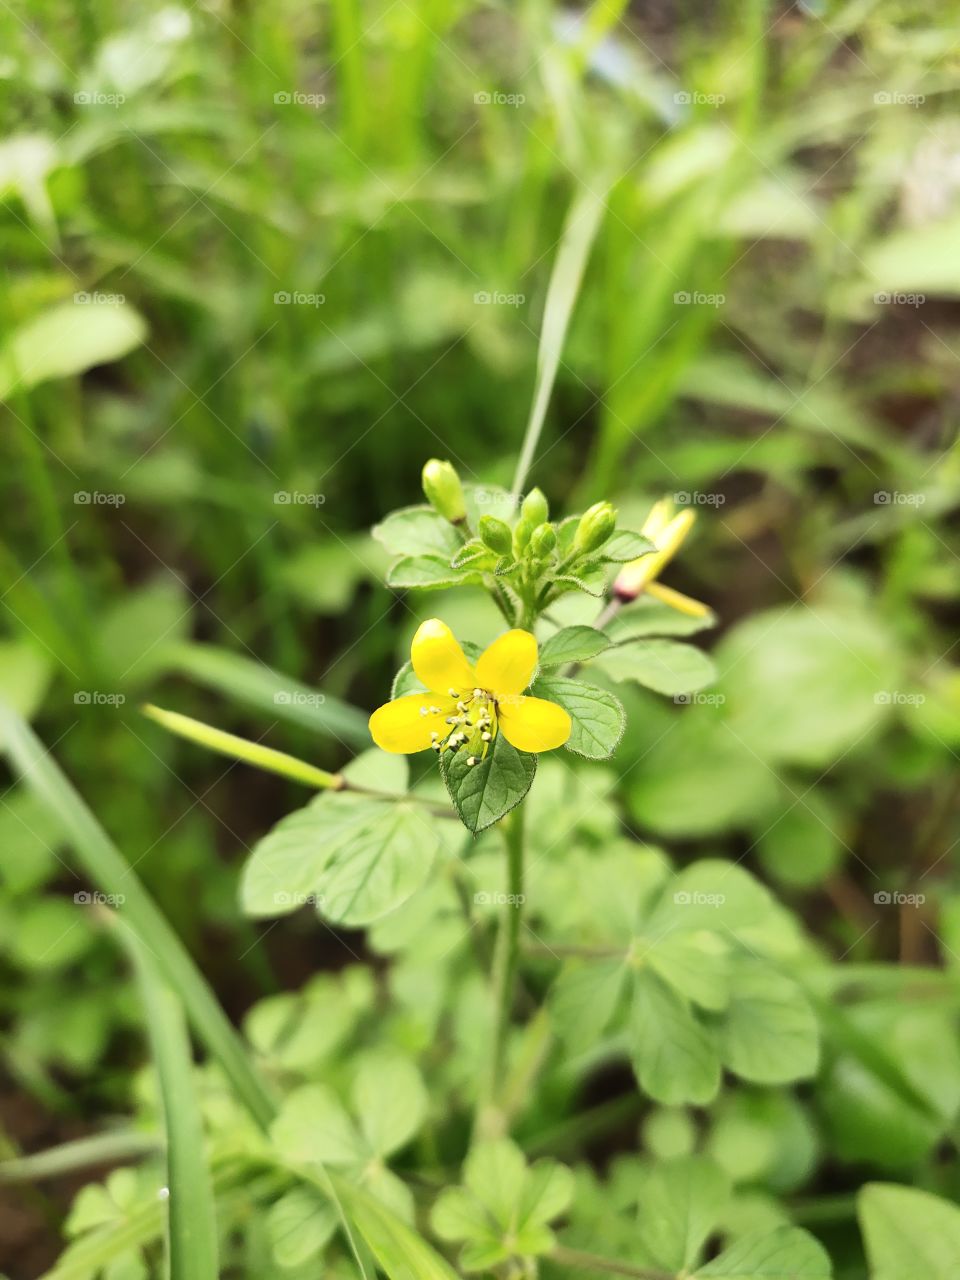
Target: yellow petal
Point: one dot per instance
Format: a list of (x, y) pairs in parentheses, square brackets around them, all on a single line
[(507, 665), (439, 661), (533, 724), (402, 727), (658, 516)]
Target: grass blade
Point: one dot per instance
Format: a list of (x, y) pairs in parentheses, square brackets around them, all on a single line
[(260, 686), (579, 232), (103, 862), (191, 1223)]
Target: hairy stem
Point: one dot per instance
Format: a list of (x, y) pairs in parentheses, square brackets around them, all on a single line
[(503, 975)]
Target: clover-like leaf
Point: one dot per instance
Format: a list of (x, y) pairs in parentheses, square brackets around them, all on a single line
[(503, 1211), (784, 1254), (674, 1053)]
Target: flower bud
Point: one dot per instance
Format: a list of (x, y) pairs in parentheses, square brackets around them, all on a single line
[(496, 534), (534, 509), (543, 540), (596, 525), (443, 490)]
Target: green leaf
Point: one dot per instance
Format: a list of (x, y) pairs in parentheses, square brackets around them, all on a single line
[(400, 1252), (666, 666), (695, 965), (354, 858), (909, 1233), (572, 644), (496, 1173), (66, 340), (390, 1100), (459, 1215), (674, 1054), (313, 1127), (484, 792), (300, 1225), (24, 675), (647, 616), (785, 1254), (285, 866), (625, 546), (418, 531), (546, 1194), (427, 573), (681, 1203), (584, 999), (804, 685), (598, 716), (712, 894), (249, 681), (770, 1033)]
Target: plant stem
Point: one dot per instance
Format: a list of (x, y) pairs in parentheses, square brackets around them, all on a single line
[(503, 975), (593, 1262)]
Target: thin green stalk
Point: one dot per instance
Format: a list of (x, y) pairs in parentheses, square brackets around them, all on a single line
[(229, 744), (237, 748), (504, 973), (191, 1222), (82, 1153), (109, 871)]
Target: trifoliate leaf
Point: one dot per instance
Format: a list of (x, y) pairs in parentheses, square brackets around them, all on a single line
[(390, 1100), (353, 858), (681, 1203), (584, 998), (313, 1125), (598, 716), (572, 644), (770, 1033), (695, 965), (674, 1054), (784, 1254), (484, 792), (418, 531), (666, 666), (299, 1225)]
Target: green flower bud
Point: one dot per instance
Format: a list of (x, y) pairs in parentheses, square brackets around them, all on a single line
[(521, 535), (543, 540), (496, 534), (595, 527), (534, 510), (443, 490)]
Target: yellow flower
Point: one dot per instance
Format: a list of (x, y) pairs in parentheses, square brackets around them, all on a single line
[(467, 705), (667, 532)]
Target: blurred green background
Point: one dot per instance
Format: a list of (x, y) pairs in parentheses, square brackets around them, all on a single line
[(260, 261)]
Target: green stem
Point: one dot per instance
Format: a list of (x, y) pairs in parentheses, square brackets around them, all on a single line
[(504, 974), (594, 1262), (229, 744)]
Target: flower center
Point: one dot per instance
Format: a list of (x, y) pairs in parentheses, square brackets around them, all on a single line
[(471, 727)]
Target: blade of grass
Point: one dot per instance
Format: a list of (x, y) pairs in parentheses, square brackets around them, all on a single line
[(261, 687), (579, 233), (107, 868), (191, 1222)]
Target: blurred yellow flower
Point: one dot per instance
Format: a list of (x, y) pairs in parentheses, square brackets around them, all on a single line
[(667, 532), (467, 706)]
